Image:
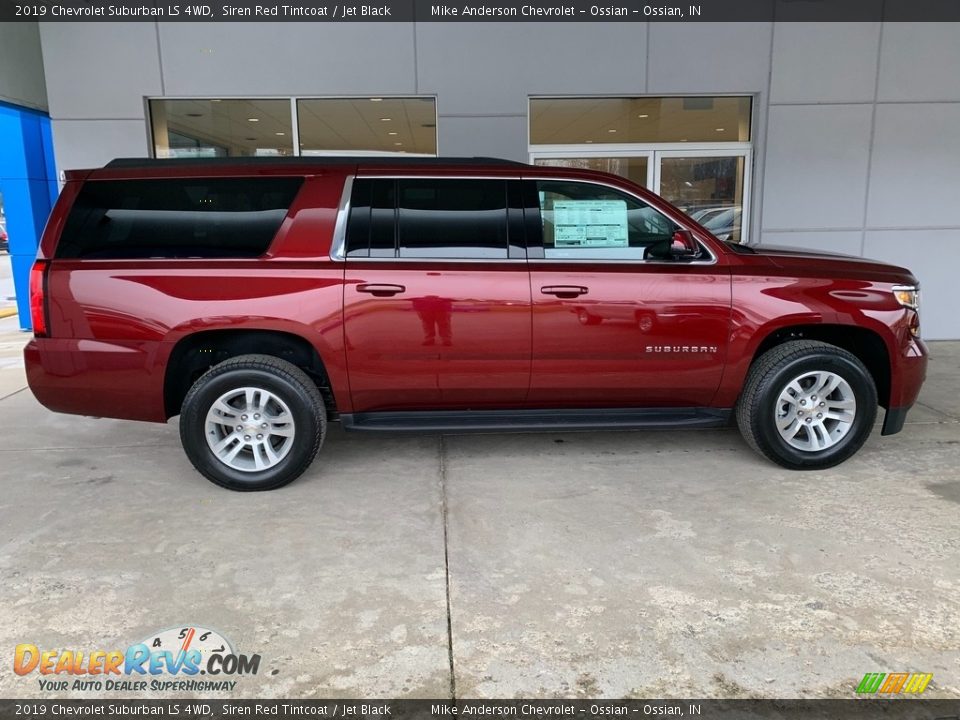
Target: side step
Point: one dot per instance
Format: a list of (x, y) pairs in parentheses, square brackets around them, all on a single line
[(460, 421)]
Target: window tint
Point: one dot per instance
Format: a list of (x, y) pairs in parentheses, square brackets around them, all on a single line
[(592, 222), (371, 229), (176, 218), (358, 224), (452, 218)]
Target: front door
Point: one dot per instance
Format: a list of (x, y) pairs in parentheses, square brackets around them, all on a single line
[(436, 295), (616, 322)]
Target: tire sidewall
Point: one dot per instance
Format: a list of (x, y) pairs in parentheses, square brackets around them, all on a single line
[(864, 392), (193, 428)]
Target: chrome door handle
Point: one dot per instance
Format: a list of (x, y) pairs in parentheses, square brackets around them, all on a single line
[(380, 289), (564, 291)]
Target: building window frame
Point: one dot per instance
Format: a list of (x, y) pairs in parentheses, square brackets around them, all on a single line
[(294, 119)]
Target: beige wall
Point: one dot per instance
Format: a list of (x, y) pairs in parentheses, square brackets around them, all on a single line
[(21, 66)]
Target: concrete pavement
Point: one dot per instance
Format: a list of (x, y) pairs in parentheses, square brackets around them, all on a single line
[(648, 564), (7, 297)]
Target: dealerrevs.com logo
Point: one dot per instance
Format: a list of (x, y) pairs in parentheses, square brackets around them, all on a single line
[(166, 661), (894, 683)]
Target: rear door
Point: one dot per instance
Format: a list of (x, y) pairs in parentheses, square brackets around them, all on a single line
[(616, 323), (436, 294)]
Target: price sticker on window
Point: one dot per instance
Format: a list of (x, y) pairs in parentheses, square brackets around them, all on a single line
[(590, 223)]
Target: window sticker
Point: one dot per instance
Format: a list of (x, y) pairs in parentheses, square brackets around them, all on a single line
[(590, 223)]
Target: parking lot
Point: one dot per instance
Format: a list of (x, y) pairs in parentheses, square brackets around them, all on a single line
[(658, 563)]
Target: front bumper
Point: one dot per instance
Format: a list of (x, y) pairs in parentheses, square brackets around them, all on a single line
[(909, 372)]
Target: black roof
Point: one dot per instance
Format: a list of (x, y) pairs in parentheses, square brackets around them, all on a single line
[(311, 161)]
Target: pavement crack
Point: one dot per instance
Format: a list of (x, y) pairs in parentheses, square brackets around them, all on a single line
[(15, 392), (446, 563), (950, 417)]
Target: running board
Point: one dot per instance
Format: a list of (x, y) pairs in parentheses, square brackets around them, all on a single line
[(460, 421)]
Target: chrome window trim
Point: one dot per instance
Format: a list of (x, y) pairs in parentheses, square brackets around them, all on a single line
[(440, 177), (447, 260), (337, 247)]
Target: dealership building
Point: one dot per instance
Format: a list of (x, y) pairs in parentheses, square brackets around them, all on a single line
[(842, 137)]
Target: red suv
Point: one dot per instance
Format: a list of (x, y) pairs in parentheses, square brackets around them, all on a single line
[(260, 299)]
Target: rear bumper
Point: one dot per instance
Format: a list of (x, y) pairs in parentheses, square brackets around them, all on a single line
[(93, 377)]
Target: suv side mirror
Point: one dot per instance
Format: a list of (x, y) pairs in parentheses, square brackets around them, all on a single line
[(683, 246)]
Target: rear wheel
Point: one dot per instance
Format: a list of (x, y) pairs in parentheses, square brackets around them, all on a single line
[(807, 405), (253, 422)]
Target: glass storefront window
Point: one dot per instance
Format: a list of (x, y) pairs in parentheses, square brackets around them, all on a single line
[(693, 151), (368, 125), (632, 168), (565, 121), (269, 127), (708, 189), (221, 128)]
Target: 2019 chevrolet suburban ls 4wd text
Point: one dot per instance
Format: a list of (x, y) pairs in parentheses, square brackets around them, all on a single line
[(260, 299)]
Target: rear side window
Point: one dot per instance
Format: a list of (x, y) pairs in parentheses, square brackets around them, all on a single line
[(452, 218), (371, 227), (429, 218), (186, 217)]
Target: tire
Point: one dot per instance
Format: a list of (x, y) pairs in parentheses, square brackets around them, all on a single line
[(292, 411), (835, 427)]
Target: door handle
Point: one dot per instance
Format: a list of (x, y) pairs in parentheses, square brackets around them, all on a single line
[(564, 291), (380, 289)]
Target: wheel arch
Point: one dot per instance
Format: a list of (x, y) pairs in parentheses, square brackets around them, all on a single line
[(195, 353), (866, 344)]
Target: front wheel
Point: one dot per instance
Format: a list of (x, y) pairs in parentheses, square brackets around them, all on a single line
[(253, 422), (807, 405)]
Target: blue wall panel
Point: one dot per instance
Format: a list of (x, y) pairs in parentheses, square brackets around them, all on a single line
[(29, 187)]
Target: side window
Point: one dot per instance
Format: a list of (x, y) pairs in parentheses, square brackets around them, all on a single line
[(440, 218), (582, 221), (190, 217), (371, 226)]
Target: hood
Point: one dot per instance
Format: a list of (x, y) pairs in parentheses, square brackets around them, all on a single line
[(780, 250), (807, 262)]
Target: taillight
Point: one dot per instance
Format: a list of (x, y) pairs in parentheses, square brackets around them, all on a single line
[(38, 299)]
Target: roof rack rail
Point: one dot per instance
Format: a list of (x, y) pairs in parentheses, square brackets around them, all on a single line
[(312, 160)]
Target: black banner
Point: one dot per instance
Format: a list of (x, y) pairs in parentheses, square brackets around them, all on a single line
[(864, 709), (479, 11)]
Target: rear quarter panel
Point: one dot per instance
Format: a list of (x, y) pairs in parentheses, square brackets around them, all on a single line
[(114, 323)]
